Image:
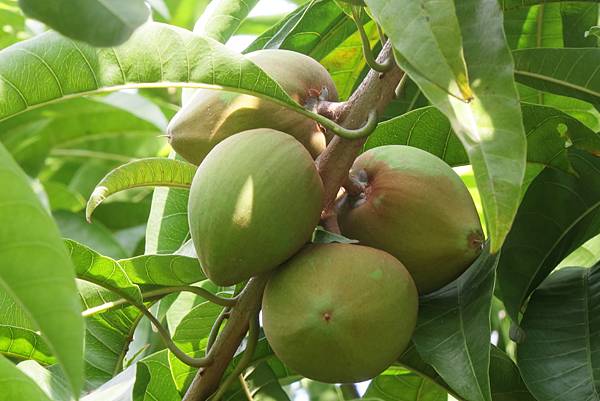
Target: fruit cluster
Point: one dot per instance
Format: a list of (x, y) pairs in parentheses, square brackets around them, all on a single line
[(332, 312)]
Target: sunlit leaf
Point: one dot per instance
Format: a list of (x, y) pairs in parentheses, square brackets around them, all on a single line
[(98, 22), (36, 270)]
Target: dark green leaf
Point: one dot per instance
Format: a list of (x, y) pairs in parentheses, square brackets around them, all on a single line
[(36, 270), (558, 214), (453, 329), (569, 72), (559, 359), (98, 22), (549, 133), (95, 235), (577, 19)]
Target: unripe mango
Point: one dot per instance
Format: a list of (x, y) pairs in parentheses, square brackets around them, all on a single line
[(212, 115), (340, 313), (254, 202), (414, 206)]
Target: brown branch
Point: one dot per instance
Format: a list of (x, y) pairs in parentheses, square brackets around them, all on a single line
[(207, 379), (376, 91)]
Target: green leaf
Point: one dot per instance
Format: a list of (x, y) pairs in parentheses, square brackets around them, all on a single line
[(154, 380), (593, 31), (577, 18), (511, 4), (36, 270), (83, 128), (51, 382), (154, 171), (101, 270), (108, 335), (559, 359), (543, 236), (587, 255), (453, 329), (164, 270), (506, 381), (98, 22), (549, 133), (568, 72), (405, 386), (64, 68), (534, 26), (95, 235), (167, 228), (315, 29), (61, 197), (16, 385), (222, 18), (429, 44), (21, 343), (490, 126)]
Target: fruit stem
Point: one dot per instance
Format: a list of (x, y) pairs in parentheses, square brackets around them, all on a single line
[(389, 62)]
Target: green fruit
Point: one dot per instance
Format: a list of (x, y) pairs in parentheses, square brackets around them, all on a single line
[(212, 115), (340, 313), (417, 208), (254, 202)]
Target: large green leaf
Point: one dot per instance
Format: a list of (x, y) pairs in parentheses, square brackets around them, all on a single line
[(16, 385), (549, 133), (36, 270), (453, 329), (490, 126), (12, 21), (429, 44), (569, 72), (48, 379), (98, 22), (560, 357), (558, 214), (64, 68)]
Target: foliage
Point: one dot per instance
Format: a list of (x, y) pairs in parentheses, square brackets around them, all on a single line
[(508, 92)]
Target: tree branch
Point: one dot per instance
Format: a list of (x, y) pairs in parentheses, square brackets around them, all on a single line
[(223, 350), (375, 91)]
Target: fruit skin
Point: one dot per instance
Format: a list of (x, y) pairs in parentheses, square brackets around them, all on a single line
[(254, 201), (213, 115), (340, 313), (417, 208)]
